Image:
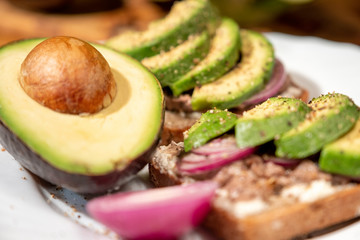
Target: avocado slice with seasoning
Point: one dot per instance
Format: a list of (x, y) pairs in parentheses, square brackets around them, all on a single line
[(84, 151), (247, 78), (332, 115), (184, 19), (211, 124), (343, 155), (169, 66), (268, 120), (223, 55)]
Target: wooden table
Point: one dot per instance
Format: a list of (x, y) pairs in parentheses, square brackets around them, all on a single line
[(17, 23), (337, 20)]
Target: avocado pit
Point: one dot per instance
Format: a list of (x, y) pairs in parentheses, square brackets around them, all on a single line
[(68, 75)]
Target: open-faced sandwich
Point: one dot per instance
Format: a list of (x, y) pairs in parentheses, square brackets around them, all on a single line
[(284, 168), (203, 61)]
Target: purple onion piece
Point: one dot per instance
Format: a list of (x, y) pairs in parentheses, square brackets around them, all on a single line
[(197, 164), (274, 85), (284, 162), (218, 145), (161, 213)]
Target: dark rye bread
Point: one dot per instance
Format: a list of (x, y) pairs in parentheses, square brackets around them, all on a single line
[(258, 200), (179, 115), (175, 124)]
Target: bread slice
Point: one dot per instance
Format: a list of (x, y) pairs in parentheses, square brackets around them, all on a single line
[(175, 124), (258, 200), (179, 115)]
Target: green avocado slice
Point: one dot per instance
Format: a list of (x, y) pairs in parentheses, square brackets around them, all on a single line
[(247, 78), (211, 124), (91, 145), (343, 155), (223, 54), (169, 66), (332, 116), (185, 18), (268, 120)]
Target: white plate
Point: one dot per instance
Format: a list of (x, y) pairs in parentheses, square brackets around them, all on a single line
[(29, 211)]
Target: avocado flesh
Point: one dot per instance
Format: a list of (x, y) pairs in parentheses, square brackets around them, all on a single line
[(332, 116), (91, 145), (246, 79), (185, 18), (170, 66), (268, 120), (223, 54), (211, 124), (343, 155)]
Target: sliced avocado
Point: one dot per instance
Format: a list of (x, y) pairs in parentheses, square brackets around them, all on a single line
[(169, 66), (185, 18), (268, 120), (332, 115), (211, 124), (343, 155), (247, 78), (223, 54), (85, 153)]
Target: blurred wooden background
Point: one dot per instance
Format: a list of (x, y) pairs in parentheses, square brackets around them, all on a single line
[(97, 20)]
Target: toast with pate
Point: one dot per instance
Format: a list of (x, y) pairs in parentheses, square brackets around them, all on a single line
[(262, 194), (259, 200)]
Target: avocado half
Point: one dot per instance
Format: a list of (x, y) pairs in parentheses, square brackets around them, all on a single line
[(90, 153)]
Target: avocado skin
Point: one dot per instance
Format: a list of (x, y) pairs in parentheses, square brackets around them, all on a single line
[(340, 118), (172, 40), (168, 74), (236, 92), (252, 132), (342, 156), (85, 184), (207, 19), (78, 182), (214, 69), (211, 124), (340, 162)]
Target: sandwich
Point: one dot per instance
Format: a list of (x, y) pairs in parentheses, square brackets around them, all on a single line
[(285, 169)]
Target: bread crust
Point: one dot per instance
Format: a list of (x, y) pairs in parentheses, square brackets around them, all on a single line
[(289, 221), (160, 178), (175, 124)]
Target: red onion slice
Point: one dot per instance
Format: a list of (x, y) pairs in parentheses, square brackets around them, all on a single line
[(274, 85), (284, 162), (161, 213), (197, 164), (219, 145), (193, 158)]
